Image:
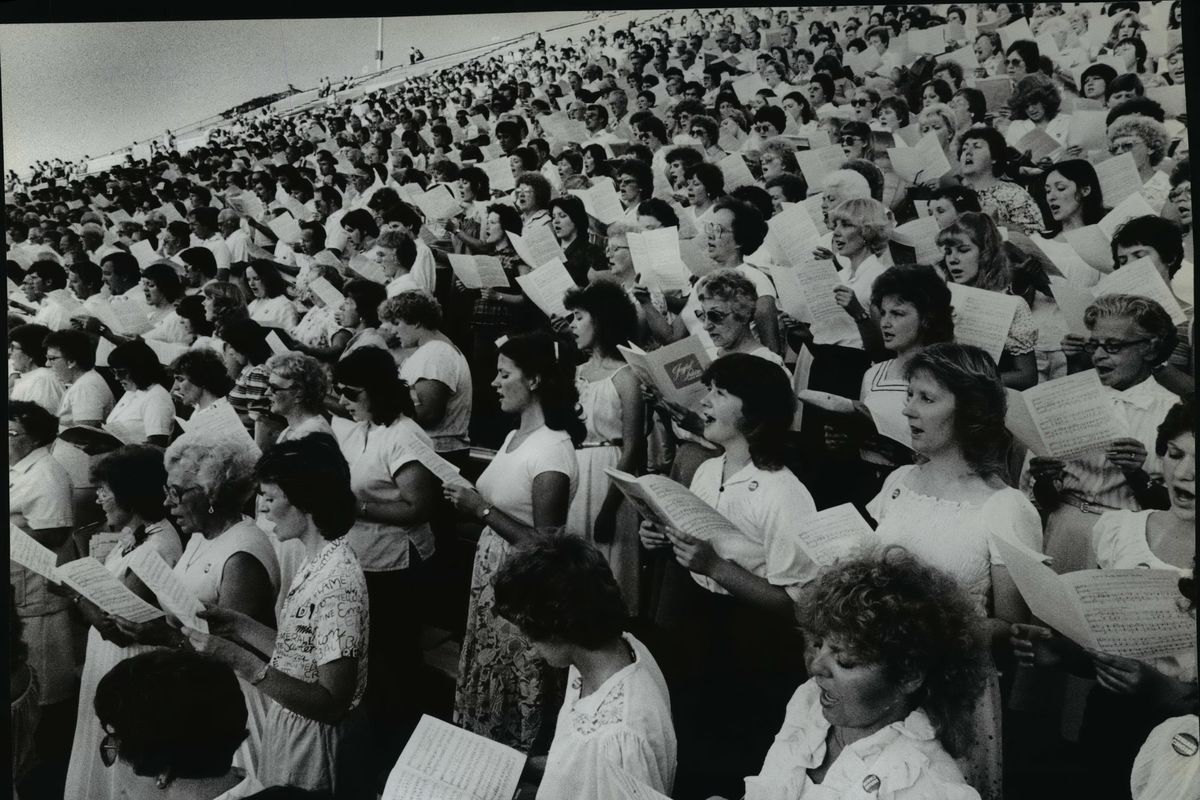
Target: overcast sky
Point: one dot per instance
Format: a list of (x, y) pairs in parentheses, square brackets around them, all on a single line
[(89, 88)]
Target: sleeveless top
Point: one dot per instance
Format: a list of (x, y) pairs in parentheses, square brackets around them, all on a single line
[(601, 406)]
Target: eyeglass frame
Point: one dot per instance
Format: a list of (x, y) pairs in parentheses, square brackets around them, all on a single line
[(109, 750), (1092, 345)]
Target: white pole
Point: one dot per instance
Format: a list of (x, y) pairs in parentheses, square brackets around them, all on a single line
[(379, 47)]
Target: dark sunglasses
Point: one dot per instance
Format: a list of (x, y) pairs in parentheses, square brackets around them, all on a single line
[(349, 392)]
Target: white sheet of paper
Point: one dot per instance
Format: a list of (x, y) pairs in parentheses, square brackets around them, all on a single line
[(1129, 208), (924, 161), (737, 174), (444, 762), (1072, 302), (830, 322), (286, 228), (1142, 279), (327, 292), (601, 201), (479, 272), (1092, 245), (31, 554), (500, 174), (176, 598), (1073, 415), (124, 317), (963, 56), (1119, 178), (747, 86), (221, 423), (276, 344), (921, 235), (1015, 32), (546, 286), (833, 533), (102, 543), (657, 259), (537, 246), (144, 253), (674, 370), (982, 318), (815, 164), (90, 578), (1087, 130)]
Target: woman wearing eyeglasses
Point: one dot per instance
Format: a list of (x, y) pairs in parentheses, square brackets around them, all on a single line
[(1129, 337), (395, 497), (1147, 141), (129, 490)]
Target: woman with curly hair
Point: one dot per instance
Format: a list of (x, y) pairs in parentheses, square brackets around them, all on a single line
[(984, 158), (1147, 141), (602, 317), (1035, 106), (975, 256), (948, 508), (893, 649)]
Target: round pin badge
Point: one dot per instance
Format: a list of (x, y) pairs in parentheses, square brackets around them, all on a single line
[(895, 494), (871, 783), (1185, 744), (753, 485)]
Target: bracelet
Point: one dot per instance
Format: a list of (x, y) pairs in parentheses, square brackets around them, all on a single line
[(261, 675)]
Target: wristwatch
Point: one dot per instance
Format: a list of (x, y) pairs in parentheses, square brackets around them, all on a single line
[(261, 675), (483, 516)]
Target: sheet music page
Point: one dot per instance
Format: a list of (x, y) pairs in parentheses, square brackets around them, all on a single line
[(1133, 612), (1019, 422), (1088, 130), (833, 533), (887, 423), (605, 203), (657, 259), (148, 565), (542, 244), (1072, 302), (286, 228), (791, 233), (1039, 144), (982, 318), (815, 164), (921, 235), (1119, 178), (1047, 596), (684, 510), (220, 422), (924, 161), (747, 86), (546, 286), (453, 759), (1092, 245), (736, 173), (500, 174), (89, 577), (1131, 207), (442, 469), (1074, 414), (102, 543), (1142, 279), (1074, 269), (327, 293), (31, 554), (817, 279)]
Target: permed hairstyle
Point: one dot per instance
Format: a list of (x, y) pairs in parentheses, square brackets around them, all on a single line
[(308, 376), (222, 469), (870, 216), (921, 287), (539, 356), (173, 711), (614, 317), (768, 403), (980, 403), (559, 588), (137, 477), (890, 608), (1143, 312), (313, 475), (204, 368)]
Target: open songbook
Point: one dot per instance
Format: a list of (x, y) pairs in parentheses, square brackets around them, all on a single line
[(87, 576), (444, 762), (93, 440), (1065, 417), (1126, 612), (674, 370), (824, 536)]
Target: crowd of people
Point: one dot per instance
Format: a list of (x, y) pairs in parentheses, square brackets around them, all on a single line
[(303, 360)]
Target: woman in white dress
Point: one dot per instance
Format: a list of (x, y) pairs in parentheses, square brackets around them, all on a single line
[(163, 288), (316, 672), (269, 304), (617, 713), (228, 561), (35, 382), (614, 411), (201, 381), (504, 692), (893, 649), (129, 490), (950, 508)]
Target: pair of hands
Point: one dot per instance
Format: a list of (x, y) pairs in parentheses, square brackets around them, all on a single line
[(694, 555), (1126, 454), (683, 417), (1038, 646), (465, 499)]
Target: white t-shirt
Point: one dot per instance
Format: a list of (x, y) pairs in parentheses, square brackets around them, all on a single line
[(274, 312), (442, 361), (507, 482), (143, 413), (764, 506), (39, 386)]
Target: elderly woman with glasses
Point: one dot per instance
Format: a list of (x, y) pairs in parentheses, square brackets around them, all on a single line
[(395, 495), (1147, 141), (31, 379), (130, 492), (735, 230), (1129, 337)]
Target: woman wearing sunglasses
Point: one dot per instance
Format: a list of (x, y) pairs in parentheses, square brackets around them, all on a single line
[(1128, 338), (395, 496)]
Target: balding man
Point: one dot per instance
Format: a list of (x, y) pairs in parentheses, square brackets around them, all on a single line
[(236, 241)]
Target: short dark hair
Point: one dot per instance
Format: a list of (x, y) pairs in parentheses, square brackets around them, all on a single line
[(74, 346), (559, 588), (661, 210), (795, 188), (313, 475), (32, 339), (613, 314), (200, 259), (204, 368), (1180, 418), (538, 355), (51, 273), (173, 711), (573, 207), (768, 403), (996, 144), (140, 362), (40, 424), (373, 370), (165, 279), (920, 286), (247, 338), (749, 227), (89, 273), (1161, 234), (542, 190), (1125, 82), (367, 296), (640, 171), (361, 220), (710, 176), (136, 476)]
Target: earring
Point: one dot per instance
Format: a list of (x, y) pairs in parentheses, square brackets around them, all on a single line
[(211, 511), (163, 781)]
